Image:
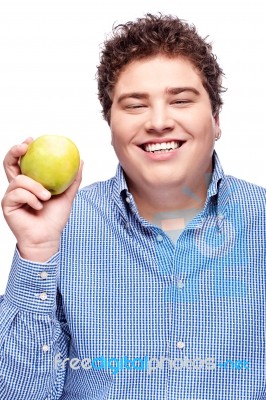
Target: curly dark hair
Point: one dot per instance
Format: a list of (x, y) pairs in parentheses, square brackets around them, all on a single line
[(149, 36)]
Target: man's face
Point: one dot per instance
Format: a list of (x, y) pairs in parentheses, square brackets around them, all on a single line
[(162, 126)]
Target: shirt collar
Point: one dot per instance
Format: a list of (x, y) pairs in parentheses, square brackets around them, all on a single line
[(217, 196), (120, 192), (121, 184), (217, 176)]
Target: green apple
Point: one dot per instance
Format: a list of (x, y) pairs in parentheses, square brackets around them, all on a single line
[(53, 161)]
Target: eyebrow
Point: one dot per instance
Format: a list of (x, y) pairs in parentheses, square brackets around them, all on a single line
[(133, 95), (172, 91), (178, 90)]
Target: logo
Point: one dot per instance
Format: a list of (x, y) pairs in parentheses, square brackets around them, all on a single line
[(150, 365)]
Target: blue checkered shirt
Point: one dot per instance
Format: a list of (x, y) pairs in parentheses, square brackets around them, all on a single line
[(123, 312)]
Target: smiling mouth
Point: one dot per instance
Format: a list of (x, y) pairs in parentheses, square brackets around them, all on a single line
[(163, 147)]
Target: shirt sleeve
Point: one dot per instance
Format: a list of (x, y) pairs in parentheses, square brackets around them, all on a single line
[(33, 332)]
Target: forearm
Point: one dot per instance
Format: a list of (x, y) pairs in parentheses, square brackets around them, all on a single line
[(30, 333)]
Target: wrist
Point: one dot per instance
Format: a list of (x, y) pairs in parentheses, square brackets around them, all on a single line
[(38, 253)]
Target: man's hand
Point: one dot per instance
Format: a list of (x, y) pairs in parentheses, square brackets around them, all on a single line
[(35, 218)]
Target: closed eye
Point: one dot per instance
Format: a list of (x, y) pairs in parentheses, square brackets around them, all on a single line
[(181, 102), (132, 106)]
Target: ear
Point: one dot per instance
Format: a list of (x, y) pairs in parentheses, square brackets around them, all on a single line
[(112, 139), (218, 131), (217, 120), (217, 125)]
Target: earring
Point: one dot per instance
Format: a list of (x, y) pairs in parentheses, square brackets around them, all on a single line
[(219, 135)]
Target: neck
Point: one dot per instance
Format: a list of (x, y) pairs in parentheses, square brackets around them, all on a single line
[(154, 201)]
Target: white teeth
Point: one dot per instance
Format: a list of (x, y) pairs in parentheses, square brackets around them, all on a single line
[(161, 146)]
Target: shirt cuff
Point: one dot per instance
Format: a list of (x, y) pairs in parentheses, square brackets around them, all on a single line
[(32, 286)]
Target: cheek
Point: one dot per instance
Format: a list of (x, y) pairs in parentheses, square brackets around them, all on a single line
[(201, 125), (123, 132), (118, 141), (118, 131)]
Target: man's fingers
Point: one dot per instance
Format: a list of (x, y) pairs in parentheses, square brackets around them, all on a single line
[(11, 160), (18, 198), (28, 184)]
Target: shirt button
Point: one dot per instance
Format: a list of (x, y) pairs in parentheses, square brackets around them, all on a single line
[(159, 238), (180, 284), (44, 275), (127, 199), (180, 345), (45, 348), (43, 296)]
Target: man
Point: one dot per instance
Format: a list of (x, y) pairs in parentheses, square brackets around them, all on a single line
[(150, 285)]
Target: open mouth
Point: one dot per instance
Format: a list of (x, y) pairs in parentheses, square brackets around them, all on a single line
[(163, 147)]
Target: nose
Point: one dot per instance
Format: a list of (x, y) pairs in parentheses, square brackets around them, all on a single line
[(159, 120)]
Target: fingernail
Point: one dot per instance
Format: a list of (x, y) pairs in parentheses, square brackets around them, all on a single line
[(39, 205), (45, 194)]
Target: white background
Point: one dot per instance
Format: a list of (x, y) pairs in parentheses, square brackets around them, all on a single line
[(49, 51)]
